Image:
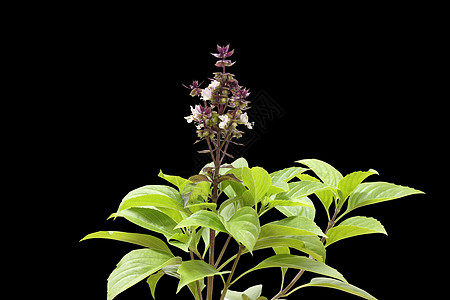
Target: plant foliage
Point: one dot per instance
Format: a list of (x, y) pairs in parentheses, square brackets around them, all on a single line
[(230, 199)]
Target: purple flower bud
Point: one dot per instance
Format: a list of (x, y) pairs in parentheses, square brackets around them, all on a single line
[(242, 93), (195, 88), (223, 52)]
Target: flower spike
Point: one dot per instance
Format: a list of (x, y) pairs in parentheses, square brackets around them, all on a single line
[(224, 101)]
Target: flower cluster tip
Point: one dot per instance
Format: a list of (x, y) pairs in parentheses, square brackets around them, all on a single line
[(224, 103)]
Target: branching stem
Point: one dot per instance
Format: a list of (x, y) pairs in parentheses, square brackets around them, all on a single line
[(300, 273), (228, 283), (222, 252)]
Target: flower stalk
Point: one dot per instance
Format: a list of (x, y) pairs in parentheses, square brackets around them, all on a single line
[(217, 121)]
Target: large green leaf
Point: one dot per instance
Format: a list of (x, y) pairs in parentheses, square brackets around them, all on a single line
[(136, 266), (296, 262), (194, 270), (348, 184), (251, 293), (195, 193), (291, 226), (172, 270), (134, 238), (240, 163), (325, 196), (258, 182), (307, 244), (338, 285), (244, 227), (287, 174), (178, 181), (352, 227), (327, 173), (150, 219), (304, 211), (300, 189), (203, 218), (297, 193), (155, 196), (375, 192)]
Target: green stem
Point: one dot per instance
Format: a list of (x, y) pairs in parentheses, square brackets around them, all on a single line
[(197, 283), (212, 233), (300, 273), (228, 283), (222, 252)]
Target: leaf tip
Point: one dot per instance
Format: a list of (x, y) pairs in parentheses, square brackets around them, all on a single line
[(113, 215)]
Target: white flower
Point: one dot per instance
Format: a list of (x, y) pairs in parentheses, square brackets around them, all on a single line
[(214, 85), (207, 94), (244, 120), (189, 119), (194, 111), (225, 120)]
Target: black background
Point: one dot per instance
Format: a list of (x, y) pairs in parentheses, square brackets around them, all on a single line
[(357, 91)]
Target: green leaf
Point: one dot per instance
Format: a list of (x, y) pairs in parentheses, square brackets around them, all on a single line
[(150, 219), (300, 189), (298, 202), (348, 184), (296, 196), (194, 270), (257, 180), (178, 181), (204, 205), (296, 262), (327, 173), (203, 218), (375, 192), (290, 226), (244, 227), (252, 293), (240, 163), (232, 188), (134, 238), (152, 280), (287, 174), (135, 266), (303, 211), (154, 195), (308, 244), (182, 241), (352, 227), (277, 187), (338, 285), (325, 196), (195, 193)]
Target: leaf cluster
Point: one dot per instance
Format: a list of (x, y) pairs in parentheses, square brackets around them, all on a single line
[(183, 217)]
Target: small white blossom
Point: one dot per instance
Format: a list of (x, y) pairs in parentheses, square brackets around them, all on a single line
[(225, 120), (189, 119), (214, 85), (244, 120), (207, 94)]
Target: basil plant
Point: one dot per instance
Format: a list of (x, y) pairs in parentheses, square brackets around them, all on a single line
[(227, 200)]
